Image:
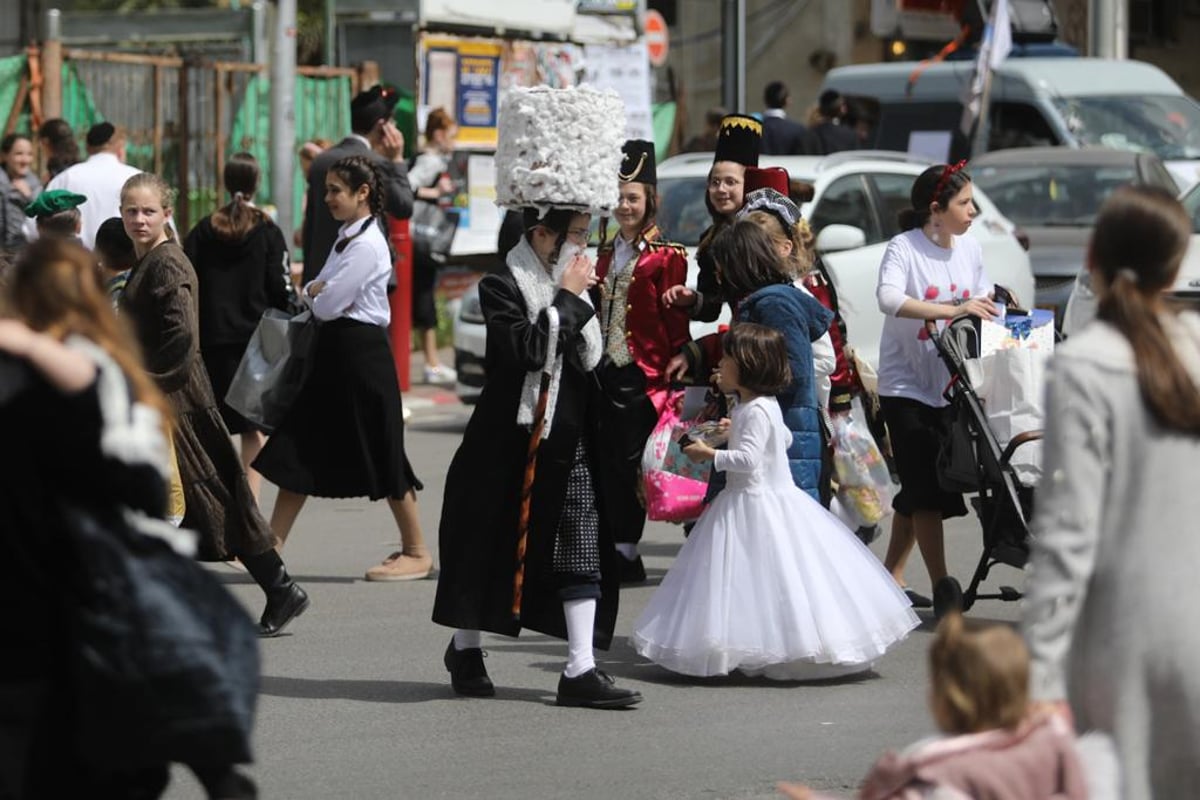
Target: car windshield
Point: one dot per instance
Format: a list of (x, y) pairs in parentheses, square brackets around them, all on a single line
[(1166, 125), (1191, 202), (1049, 195), (682, 214)]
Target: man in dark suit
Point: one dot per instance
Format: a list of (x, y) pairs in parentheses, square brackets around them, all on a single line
[(781, 136), (833, 134), (373, 134)]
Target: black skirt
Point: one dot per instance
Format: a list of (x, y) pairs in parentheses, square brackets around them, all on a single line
[(344, 435), (916, 431), (222, 362)]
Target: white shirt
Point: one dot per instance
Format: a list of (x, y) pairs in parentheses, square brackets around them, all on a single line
[(99, 179), (623, 255), (355, 279), (914, 267), (824, 357)]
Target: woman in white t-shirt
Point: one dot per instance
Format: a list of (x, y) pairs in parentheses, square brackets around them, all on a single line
[(931, 271)]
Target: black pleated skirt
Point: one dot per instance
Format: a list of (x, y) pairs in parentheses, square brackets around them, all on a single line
[(344, 435), (222, 362)]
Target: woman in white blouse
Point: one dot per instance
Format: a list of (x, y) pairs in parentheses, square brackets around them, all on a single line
[(344, 435)]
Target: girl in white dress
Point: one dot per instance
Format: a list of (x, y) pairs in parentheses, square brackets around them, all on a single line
[(768, 582)]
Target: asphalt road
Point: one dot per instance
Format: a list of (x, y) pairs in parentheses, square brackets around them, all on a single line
[(355, 702)]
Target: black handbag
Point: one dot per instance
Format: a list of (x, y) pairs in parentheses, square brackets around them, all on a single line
[(957, 465), (432, 228), (164, 659)]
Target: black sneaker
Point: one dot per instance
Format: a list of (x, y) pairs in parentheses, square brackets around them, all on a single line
[(468, 675), (631, 570), (594, 689)]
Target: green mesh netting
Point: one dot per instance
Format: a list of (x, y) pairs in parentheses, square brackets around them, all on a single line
[(78, 109), (322, 111), (664, 125)]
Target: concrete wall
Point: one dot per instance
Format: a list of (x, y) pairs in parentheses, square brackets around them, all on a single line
[(1177, 58), (783, 40)]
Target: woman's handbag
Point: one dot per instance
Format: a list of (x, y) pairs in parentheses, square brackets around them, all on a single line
[(674, 485), (164, 659), (273, 368), (432, 228)]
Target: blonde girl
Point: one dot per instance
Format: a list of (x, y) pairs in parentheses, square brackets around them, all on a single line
[(992, 746), (160, 301)]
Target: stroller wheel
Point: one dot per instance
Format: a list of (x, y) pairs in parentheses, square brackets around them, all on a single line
[(947, 596)]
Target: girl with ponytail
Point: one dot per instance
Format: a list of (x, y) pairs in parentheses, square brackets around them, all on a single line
[(932, 271), (1108, 612), (344, 435), (243, 268)]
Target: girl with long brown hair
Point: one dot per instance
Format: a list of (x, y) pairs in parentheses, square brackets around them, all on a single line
[(85, 432), (1109, 609)]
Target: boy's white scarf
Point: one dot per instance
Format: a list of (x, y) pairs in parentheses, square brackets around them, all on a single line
[(538, 288)]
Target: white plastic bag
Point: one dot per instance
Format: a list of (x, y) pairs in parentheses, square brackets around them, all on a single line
[(1014, 397)]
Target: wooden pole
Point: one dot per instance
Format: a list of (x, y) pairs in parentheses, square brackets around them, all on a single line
[(158, 120), (52, 61), (219, 76), (183, 220)]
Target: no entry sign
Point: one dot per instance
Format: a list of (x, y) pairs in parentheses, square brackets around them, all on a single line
[(657, 39)]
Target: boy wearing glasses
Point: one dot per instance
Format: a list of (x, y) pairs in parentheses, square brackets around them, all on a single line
[(523, 541)]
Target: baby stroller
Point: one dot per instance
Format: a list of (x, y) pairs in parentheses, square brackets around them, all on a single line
[(971, 460)]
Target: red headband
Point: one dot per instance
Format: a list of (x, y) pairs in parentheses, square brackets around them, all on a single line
[(949, 170)]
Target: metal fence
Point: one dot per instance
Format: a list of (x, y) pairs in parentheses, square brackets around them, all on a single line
[(185, 116)]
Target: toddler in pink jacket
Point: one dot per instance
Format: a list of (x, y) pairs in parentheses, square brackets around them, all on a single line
[(994, 748)]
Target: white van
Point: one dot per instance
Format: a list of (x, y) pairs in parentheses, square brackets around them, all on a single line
[(1072, 102)]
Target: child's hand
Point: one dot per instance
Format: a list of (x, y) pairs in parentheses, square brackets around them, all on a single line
[(680, 296), (794, 791), (698, 452), (721, 434)]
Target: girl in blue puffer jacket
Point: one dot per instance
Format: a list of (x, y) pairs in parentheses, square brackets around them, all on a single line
[(758, 285)]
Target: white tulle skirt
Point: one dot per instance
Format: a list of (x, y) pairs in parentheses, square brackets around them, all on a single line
[(770, 583)]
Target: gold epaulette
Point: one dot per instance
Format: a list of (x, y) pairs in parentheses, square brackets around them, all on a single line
[(665, 245)]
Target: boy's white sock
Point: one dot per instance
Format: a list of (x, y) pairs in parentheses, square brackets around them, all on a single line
[(466, 640), (581, 626), (628, 550)]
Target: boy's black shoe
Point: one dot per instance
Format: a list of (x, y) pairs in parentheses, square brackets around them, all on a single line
[(594, 689), (468, 675)]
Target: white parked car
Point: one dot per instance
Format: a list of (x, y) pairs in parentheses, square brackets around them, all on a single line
[(857, 197), (1081, 307)]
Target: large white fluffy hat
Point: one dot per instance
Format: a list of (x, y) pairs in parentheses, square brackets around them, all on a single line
[(559, 148)]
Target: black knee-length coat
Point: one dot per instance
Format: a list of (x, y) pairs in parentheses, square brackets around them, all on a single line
[(479, 526)]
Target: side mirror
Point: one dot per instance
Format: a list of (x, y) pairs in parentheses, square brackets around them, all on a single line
[(834, 238)]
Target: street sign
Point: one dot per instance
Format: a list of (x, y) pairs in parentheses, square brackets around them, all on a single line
[(657, 39)]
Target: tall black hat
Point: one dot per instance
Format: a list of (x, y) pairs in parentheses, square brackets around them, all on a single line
[(739, 139), (637, 163)]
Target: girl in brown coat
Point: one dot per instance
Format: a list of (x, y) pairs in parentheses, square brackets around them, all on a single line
[(160, 300)]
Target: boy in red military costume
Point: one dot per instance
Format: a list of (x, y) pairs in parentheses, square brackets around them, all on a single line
[(641, 334)]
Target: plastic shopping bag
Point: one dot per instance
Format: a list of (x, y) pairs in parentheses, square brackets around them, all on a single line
[(864, 484), (273, 368), (1013, 394), (674, 485)]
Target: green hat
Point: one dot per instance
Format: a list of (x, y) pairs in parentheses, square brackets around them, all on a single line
[(52, 202)]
